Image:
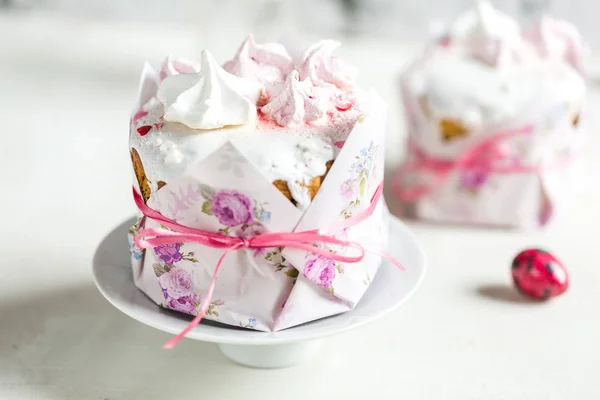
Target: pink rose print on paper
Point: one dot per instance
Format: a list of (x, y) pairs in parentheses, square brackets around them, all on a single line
[(183, 304), (363, 168), (176, 283), (169, 253), (196, 299), (347, 188), (232, 208), (320, 270), (473, 180)]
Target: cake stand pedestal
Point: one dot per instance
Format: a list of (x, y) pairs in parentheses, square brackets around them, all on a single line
[(271, 355)]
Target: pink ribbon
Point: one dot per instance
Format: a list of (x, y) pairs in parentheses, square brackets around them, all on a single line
[(486, 157), (153, 237)]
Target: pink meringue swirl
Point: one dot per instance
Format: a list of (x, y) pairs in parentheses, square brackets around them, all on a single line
[(558, 40), (292, 101), (319, 64), (178, 66), (268, 62)]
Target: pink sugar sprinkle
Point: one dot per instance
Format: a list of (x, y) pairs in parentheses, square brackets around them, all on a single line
[(262, 117), (342, 122), (143, 130), (266, 121), (344, 107), (339, 144), (332, 116), (140, 114)]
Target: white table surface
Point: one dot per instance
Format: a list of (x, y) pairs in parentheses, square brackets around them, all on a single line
[(65, 94)]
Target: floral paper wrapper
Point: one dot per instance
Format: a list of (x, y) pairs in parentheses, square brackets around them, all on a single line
[(517, 200), (274, 288)]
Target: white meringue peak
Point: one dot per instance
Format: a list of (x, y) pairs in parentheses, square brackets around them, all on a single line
[(319, 64), (293, 101), (177, 66), (269, 62), (209, 99), (490, 36), (560, 41)]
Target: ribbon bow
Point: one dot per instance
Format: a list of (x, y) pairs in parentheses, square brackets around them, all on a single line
[(152, 237)]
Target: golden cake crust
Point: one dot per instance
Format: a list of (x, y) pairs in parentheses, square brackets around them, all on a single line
[(313, 186), (452, 129), (140, 174)]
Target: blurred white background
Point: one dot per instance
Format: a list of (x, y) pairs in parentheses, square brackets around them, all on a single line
[(399, 19), (132, 30), (69, 72)]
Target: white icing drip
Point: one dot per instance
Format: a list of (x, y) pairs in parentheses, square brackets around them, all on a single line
[(171, 152), (293, 102), (319, 64), (478, 96), (269, 62), (293, 157), (209, 99), (299, 193), (155, 141), (212, 98), (151, 104)]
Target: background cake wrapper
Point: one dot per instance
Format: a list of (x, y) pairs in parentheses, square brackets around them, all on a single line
[(520, 200), (275, 288)]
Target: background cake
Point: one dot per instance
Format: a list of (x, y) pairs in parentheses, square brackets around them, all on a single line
[(486, 76), (488, 72)]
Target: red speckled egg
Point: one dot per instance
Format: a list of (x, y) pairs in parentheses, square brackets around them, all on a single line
[(539, 274)]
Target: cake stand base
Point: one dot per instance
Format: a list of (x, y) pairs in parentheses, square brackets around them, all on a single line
[(271, 356)]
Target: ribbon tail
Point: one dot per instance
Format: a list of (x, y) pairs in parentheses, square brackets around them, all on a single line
[(388, 257), (356, 218), (409, 193), (204, 305)]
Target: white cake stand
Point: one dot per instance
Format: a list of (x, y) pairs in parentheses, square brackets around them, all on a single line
[(389, 289)]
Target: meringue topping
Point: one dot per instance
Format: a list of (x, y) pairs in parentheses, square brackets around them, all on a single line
[(209, 99), (172, 66), (319, 64), (490, 36), (268, 62), (293, 101), (560, 41)]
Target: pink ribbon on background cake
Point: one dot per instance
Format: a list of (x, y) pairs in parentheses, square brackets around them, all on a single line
[(481, 159), (177, 233)]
